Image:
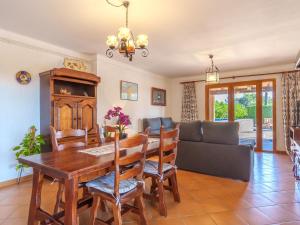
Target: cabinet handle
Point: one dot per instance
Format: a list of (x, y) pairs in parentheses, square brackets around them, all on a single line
[(79, 118)]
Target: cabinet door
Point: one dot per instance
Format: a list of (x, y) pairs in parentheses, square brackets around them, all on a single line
[(87, 115), (65, 114)]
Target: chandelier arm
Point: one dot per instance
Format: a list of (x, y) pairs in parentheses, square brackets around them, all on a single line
[(145, 52), (109, 53), (112, 4)]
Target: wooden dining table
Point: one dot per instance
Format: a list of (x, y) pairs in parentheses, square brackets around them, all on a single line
[(67, 166)]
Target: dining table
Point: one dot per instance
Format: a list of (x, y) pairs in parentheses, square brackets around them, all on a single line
[(69, 167)]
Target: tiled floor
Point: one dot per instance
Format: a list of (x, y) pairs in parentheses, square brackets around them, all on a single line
[(272, 197)]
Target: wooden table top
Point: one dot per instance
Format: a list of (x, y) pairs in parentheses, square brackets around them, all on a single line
[(68, 163)]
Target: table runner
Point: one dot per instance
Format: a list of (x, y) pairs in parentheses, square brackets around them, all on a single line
[(108, 149)]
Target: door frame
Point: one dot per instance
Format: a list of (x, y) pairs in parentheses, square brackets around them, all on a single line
[(258, 84)]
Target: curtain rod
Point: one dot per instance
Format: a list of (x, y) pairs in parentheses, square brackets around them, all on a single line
[(249, 75)]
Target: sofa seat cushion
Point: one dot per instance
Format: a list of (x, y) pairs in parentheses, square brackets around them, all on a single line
[(106, 184), (167, 122), (191, 131), (221, 132), (247, 141), (151, 167)]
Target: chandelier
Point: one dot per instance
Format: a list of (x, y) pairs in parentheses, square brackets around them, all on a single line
[(125, 41), (212, 73)]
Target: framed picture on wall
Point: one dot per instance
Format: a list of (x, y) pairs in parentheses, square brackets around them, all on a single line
[(158, 96), (128, 91)]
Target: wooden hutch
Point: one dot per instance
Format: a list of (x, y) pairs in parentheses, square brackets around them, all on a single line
[(68, 99)]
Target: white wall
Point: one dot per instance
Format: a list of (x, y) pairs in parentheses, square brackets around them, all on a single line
[(176, 92), (111, 73), (20, 103)]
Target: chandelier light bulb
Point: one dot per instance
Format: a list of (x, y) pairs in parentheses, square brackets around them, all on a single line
[(112, 41), (131, 46), (142, 40), (124, 33)]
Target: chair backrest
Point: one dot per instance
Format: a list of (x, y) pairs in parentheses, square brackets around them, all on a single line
[(56, 136), (168, 147), (110, 133), (132, 164)]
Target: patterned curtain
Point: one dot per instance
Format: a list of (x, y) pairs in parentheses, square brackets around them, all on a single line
[(189, 103), (290, 96)]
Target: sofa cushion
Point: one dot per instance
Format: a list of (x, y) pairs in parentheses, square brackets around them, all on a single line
[(167, 122), (220, 132), (190, 131), (154, 123)]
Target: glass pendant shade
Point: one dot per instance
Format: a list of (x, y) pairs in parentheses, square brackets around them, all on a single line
[(131, 46), (124, 34), (112, 41), (142, 41), (212, 77)]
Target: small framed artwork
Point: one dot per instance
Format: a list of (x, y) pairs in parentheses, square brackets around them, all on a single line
[(128, 91), (158, 96)]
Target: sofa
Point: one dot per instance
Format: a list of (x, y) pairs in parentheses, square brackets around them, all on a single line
[(156, 123), (214, 148)]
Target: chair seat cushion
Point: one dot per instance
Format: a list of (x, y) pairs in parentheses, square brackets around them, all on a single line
[(151, 167), (106, 184)]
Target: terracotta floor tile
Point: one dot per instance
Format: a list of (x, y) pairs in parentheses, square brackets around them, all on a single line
[(292, 207), (225, 218), (279, 214), (6, 211), (254, 217), (197, 220), (14, 222)]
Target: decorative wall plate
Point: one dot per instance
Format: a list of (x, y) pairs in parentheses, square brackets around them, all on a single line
[(23, 77)]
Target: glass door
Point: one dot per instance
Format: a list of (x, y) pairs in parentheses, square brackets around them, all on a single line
[(267, 116), (218, 100), (245, 112), (252, 104)]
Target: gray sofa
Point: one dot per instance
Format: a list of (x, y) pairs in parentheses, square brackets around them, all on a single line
[(156, 123), (214, 149)]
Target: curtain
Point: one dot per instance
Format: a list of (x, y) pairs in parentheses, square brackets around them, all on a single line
[(189, 103), (290, 96)]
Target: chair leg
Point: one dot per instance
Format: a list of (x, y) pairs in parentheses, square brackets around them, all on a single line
[(175, 188), (153, 185), (117, 214), (59, 195), (94, 209), (161, 199), (140, 204)]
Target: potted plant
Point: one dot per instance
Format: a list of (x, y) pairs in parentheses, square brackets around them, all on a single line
[(119, 120), (30, 145)]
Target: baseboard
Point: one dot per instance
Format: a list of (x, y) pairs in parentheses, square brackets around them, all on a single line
[(15, 181)]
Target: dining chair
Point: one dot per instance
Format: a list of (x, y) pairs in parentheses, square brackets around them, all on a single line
[(124, 183), (109, 133), (163, 169), (77, 139)]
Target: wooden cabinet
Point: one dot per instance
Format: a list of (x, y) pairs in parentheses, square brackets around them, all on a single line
[(68, 99), (64, 114), (87, 115)]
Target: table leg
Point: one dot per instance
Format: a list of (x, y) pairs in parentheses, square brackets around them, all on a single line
[(71, 195), (35, 203)]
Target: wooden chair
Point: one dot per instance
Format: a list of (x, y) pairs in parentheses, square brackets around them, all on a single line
[(78, 139), (123, 184), (110, 132), (163, 169)]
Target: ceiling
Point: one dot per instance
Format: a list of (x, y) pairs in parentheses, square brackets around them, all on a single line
[(241, 34)]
